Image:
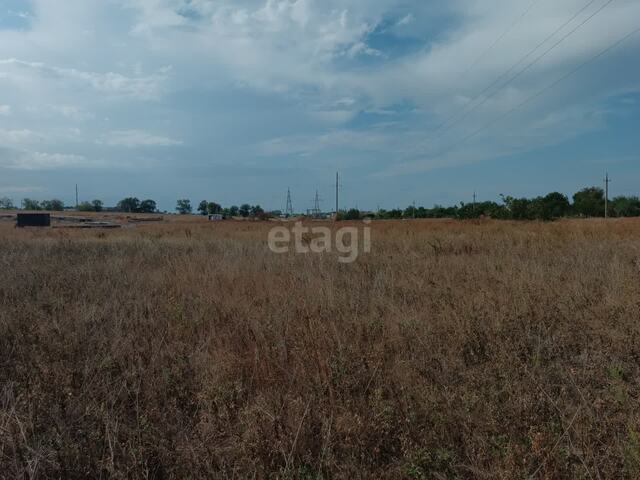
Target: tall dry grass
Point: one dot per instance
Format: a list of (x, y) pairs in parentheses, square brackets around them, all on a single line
[(453, 350)]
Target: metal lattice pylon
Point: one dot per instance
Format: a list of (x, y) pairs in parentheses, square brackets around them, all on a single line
[(289, 209), (316, 206)]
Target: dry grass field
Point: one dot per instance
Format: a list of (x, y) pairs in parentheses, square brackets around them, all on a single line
[(187, 349)]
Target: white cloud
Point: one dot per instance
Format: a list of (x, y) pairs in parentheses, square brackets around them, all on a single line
[(333, 117), (24, 160), (5, 110), (406, 20), (137, 138), (312, 62), (361, 48), (72, 112), (26, 136), (18, 136), (18, 14), (13, 189), (313, 144), (149, 87), (283, 44), (41, 160)]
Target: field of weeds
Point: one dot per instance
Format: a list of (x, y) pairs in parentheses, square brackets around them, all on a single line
[(453, 350)]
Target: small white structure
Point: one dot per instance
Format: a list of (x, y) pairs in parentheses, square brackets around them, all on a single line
[(216, 217)]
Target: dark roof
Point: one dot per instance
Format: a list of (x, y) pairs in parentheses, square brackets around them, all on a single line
[(33, 220)]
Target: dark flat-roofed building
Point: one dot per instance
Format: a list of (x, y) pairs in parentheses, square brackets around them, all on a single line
[(33, 220)]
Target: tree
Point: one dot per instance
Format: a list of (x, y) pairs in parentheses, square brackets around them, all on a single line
[(439, 211), (203, 207), (148, 206), (183, 206), (93, 206), (519, 208), (214, 208), (352, 214), (467, 211), (626, 206), (554, 205), (54, 205), (98, 206), (536, 209), (382, 214), (6, 204), (589, 202), (29, 204), (410, 212), (483, 209), (234, 211), (244, 210), (129, 204), (549, 207), (256, 211), (395, 213), (85, 207)]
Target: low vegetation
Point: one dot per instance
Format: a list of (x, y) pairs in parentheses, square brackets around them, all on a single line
[(587, 203), (454, 350)]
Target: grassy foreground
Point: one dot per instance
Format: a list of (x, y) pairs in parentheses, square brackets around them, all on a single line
[(453, 350)]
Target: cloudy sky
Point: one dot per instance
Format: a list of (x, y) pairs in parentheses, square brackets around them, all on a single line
[(237, 100)]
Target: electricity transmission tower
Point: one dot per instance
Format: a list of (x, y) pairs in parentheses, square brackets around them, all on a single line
[(316, 212), (289, 209)]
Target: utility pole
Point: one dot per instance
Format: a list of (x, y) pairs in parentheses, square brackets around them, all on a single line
[(316, 206), (337, 194), (607, 181), (474, 202), (76, 196), (414, 209)]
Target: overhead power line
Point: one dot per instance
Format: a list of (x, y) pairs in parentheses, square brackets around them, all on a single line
[(502, 36), (515, 65), (544, 90), (529, 65)]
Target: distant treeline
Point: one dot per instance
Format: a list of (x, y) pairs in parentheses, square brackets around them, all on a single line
[(56, 205), (29, 204), (589, 202), (245, 210), (135, 205)]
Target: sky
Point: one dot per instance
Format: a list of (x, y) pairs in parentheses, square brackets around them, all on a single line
[(235, 101)]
